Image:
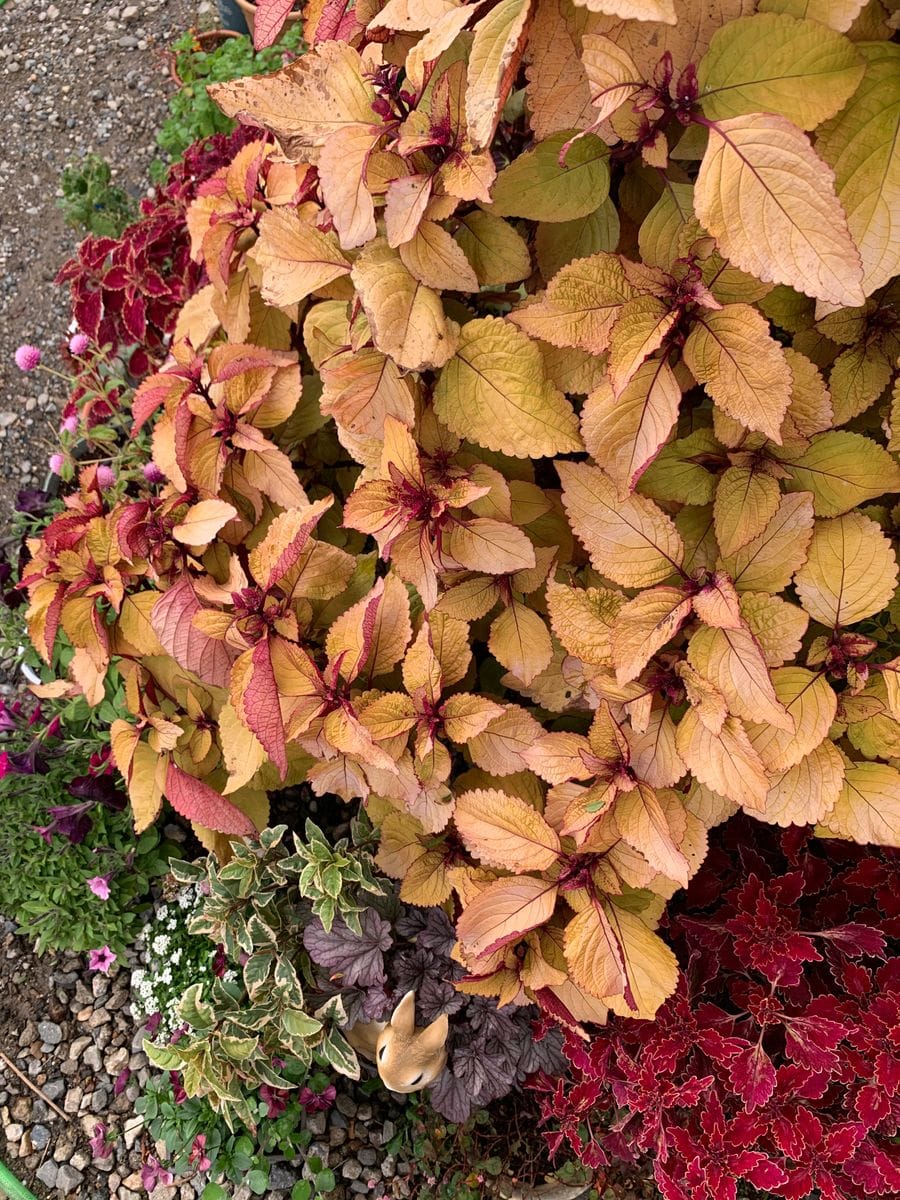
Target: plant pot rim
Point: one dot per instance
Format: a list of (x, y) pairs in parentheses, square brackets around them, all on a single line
[(207, 35)]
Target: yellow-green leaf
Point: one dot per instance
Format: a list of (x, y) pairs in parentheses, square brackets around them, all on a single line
[(811, 704), (535, 186), (498, 254), (842, 470), (777, 64), (850, 571), (495, 392), (868, 807), (557, 243), (860, 144)]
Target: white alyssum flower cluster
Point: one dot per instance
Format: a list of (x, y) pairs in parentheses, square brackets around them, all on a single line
[(172, 959)]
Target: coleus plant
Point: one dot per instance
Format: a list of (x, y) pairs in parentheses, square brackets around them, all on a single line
[(525, 465), (776, 1061)]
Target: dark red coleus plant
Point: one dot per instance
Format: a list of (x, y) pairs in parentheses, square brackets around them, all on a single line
[(128, 291), (777, 1061)]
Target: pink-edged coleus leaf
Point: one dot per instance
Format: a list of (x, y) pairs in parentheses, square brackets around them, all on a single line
[(269, 21), (197, 801)]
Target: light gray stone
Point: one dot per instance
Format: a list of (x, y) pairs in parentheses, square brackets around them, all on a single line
[(49, 1033), (47, 1173), (92, 1058), (40, 1136)]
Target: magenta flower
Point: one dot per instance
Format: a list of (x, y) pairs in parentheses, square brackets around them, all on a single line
[(317, 1101), (79, 343), (28, 357), (4, 764), (153, 1172), (70, 424), (55, 463), (198, 1156), (101, 960), (106, 476), (100, 1146), (99, 885)]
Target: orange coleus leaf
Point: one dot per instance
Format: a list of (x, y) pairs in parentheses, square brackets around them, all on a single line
[(504, 831), (505, 911)]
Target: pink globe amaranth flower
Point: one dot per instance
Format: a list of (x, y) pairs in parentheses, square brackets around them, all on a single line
[(106, 476), (28, 357), (101, 960), (79, 343), (55, 463), (70, 424), (152, 473), (99, 885)]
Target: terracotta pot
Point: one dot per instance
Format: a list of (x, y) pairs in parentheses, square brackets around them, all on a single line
[(208, 41), (248, 8)]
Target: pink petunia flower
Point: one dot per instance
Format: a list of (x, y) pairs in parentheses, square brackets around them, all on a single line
[(100, 1146), (99, 885), (153, 1172), (101, 960), (27, 357), (79, 343), (198, 1156)]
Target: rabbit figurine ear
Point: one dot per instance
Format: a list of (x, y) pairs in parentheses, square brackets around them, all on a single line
[(433, 1037), (403, 1018), (409, 1059)]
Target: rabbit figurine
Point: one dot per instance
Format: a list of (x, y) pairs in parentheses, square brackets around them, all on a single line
[(408, 1058)]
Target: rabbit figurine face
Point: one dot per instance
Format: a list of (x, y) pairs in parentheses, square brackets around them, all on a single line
[(409, 1059)]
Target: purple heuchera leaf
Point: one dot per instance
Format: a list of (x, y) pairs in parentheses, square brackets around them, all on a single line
[(545, 1055), (429, 976), (430, 928), (450, 1097), (352, 959)]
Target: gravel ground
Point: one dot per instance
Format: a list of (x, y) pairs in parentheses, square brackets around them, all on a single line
[(71, 1033), (77, 76)]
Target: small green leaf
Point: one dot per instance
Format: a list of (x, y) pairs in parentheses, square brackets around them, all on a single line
[(325, 1181)]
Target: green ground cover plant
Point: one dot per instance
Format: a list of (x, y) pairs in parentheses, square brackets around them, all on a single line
[(193, 115), (91, 201)]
